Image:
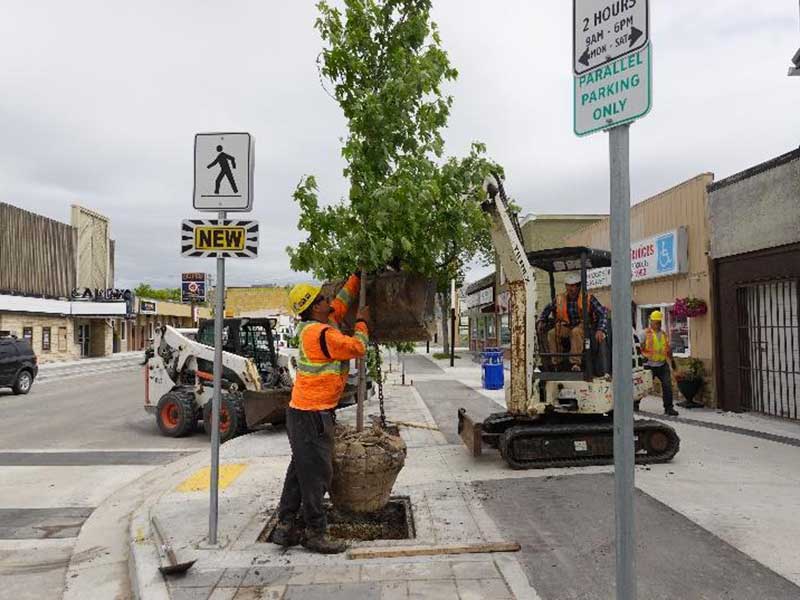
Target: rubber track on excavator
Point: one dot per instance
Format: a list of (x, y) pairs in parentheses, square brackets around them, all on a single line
[(577, 445)]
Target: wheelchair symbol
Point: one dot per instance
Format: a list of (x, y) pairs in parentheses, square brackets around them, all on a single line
[(665, 259)]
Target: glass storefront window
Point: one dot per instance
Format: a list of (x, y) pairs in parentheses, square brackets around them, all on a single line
[(505, 330), (490, 327)]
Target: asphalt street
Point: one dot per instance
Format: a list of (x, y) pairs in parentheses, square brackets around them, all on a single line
[(64, 448)]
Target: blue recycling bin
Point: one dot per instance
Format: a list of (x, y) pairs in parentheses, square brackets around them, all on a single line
[(492, 375)]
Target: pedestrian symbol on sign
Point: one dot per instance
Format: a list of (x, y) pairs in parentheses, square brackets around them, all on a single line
[(223, 171), (225, 162)]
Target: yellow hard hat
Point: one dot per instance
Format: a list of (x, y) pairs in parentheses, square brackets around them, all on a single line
[(655, 315), (302, 295)]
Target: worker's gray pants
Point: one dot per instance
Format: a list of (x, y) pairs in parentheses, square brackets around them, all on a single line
[(311, 468)]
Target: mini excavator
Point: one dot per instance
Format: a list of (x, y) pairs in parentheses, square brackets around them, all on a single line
[(556, 417)]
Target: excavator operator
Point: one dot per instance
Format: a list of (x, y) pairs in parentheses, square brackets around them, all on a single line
[(568, 314), (322, 369)]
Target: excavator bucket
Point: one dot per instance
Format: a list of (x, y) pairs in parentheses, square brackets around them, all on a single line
[(401, 306), (471, 432), (266, 406)]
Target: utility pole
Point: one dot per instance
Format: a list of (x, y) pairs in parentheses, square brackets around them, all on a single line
[(452, 321)]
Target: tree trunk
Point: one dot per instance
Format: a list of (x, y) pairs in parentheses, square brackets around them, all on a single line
[(444, 304)]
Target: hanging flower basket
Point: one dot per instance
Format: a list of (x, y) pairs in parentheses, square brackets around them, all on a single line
[(689, 307)]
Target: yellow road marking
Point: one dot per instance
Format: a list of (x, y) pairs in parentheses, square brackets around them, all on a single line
[(201, 480)]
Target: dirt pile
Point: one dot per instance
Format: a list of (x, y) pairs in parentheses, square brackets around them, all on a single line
[(365, 467)]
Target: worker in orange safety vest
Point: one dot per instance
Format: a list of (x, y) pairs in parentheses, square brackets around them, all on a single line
[(322, 370), (657, 350)]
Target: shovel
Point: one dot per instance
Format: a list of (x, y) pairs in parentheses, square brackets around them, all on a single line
[(174, 567)]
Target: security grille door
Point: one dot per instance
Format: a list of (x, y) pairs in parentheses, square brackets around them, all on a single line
[(769, 347)]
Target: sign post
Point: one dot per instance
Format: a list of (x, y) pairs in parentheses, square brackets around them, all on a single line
[(223, 181), (612, 88)]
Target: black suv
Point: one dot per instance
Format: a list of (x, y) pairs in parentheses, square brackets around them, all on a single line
[(18, 364)]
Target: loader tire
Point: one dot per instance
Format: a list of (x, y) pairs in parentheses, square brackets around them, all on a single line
[(176, 415), (231, 417)]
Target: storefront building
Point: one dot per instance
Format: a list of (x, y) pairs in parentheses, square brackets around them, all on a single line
[(669, 264), (755, 245), (479, 306), (57, 283), (138, 334)]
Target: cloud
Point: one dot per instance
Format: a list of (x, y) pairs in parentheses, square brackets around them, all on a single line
[(101, 101)]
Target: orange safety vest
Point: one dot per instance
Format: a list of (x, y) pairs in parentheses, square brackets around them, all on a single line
[(656, 347), (562, 314), (324, 355)]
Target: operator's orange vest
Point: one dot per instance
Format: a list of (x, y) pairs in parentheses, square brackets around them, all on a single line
[(562, 315)]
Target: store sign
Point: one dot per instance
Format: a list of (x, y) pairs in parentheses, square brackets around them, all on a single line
[(147, 307), (193, 287), (479, 298), (658, 256), (101, 295)]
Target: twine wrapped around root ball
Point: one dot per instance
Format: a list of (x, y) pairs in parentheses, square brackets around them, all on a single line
[(365, 467)]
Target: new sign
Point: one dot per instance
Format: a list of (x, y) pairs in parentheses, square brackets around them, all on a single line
[(658, 256), (219, 239)]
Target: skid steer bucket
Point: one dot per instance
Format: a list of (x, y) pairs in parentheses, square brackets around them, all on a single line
[(401, 306), (471, 432), (266, 406)]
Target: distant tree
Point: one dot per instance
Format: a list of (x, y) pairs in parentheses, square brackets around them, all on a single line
[(144, 290)]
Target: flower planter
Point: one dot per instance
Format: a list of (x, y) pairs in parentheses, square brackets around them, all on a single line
[(365, 467), (689, 388)]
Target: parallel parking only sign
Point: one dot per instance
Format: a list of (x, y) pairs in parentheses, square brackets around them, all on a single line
[(613, 94), (611, 63), (202, 238)]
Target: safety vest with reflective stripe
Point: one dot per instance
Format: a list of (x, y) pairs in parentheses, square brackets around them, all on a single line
[(562, 314), (323, 364), (656, 346)]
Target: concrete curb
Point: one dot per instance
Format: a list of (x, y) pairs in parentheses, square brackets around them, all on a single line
[(120, 524)]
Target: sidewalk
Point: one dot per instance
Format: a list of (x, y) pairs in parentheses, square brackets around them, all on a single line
[(86, 366), (717, 522)]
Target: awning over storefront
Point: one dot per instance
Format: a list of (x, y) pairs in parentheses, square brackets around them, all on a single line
[(66, 308)]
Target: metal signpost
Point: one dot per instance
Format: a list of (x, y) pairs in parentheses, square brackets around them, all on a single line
[(612, 87), (223, 182)]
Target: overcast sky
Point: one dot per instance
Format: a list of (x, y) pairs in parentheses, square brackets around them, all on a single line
[(100, 100)]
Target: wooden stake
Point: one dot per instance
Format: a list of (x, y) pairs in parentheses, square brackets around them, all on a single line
[(394, 551), (362, 362)]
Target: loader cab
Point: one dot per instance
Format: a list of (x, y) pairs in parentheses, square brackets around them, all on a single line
[(252, 338), (555, 363)]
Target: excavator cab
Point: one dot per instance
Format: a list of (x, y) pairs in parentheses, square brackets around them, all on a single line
[(595, 358)]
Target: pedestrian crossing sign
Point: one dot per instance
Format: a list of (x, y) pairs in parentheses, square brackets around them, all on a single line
[(223, 172)]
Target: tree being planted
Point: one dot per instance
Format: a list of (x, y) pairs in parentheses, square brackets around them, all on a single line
[(407, 207)]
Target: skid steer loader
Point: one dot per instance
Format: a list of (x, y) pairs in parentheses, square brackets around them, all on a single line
[(556, 417), (256, 379)]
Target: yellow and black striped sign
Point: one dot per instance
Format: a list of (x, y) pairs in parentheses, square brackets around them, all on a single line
[(202, 238)]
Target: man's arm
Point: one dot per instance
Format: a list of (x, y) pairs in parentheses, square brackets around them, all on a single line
[(601, 314), (216, 160), (546, 312), (345, 298), (233, 161), (344, 347)]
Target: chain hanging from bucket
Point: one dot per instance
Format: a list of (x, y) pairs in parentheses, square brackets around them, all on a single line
[(379, 374)]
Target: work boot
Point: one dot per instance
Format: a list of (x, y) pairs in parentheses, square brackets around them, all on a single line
[(319, 541), (670, 411), (286, 534)]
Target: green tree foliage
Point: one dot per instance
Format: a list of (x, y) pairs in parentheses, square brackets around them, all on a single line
[(144, 290), (407, 205)]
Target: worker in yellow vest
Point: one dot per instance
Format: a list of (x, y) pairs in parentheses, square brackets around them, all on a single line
[(322, 369), (657, 350)]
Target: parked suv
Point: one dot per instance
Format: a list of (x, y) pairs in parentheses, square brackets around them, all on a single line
[(18, 364)]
